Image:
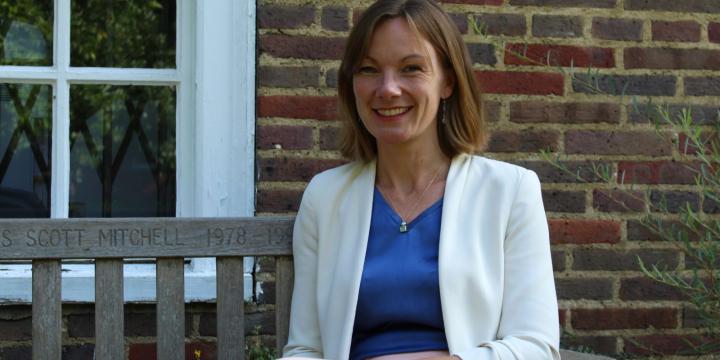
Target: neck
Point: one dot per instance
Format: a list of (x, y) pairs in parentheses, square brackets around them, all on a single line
[(408, 170)]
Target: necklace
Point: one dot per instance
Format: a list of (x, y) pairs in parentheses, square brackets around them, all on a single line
[(403, 223)]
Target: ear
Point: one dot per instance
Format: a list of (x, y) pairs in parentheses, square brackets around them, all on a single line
[(449, 84)]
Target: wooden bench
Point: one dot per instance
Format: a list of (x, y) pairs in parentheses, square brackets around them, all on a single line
[(109, 241)]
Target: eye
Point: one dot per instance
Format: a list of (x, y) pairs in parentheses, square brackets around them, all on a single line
[(412, 68), (366, 70)]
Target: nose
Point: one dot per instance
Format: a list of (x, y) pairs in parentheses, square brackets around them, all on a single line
[(389, 86)]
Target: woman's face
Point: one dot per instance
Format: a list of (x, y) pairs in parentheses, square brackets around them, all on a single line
[(399, 85)]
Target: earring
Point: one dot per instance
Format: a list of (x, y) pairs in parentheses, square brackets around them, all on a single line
[(442, 117)]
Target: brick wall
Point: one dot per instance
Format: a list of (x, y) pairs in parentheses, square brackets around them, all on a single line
[(140, 330), (666, 49)]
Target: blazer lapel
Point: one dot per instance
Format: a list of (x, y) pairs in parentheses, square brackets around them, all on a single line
[(451, 228), (354, 215)]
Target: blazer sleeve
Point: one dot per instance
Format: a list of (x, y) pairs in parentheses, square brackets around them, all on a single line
[(304, 338), (529, 326)]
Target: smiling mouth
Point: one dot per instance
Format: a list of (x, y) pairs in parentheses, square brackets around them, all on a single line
[(393, 112)]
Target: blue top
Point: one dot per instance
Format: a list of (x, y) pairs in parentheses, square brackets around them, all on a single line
[(398, 307)]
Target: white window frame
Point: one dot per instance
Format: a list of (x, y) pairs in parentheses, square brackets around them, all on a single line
[(215, 132)]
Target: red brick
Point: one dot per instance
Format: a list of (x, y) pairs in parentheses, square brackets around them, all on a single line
[(617, 318), (16, 352), (530, 83), (612, 84), (656, 230), (685, 31), (564, 201), (267, 293), (298, 107), (207, 350), (597, 344), (523, 141), (286, 137), (288, 76), (278, 201), (16, 329), (700, 114), (335, 18), (502, 24), (330, 138), (617, 29), (573, 172), (482, 53), (619, 260), (583, 288), (142, 352), (714, 32), (558, 55), (558, 26), (707, 6), (655, 172), (81, 325), (617, 143), (491, 111), (673, 201), (658, 345), (302, 47), (265, 321), (647, 289), (566, 231), (292, 169), (75, 352), (618, 200), (707, 141), (460, 21), (148, 351), (664, 58), (704, 86), (474, 2), (566, 3), (558, 260), (697, 260), (565, 113), (285, 17)]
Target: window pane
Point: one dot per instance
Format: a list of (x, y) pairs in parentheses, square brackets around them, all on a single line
[(25, 140), (123, 33), (122, 151), (26, 32)]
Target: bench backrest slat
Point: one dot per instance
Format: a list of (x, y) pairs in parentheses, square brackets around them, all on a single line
[(109, 321), (284, 278), (46, 310), (144, 238), (230, 308), (170, 309), (108, 241)]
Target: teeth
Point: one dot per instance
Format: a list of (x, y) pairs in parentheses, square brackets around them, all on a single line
[(392, 112)]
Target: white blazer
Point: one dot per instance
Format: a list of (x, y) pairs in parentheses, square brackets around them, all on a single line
[(496, 278)]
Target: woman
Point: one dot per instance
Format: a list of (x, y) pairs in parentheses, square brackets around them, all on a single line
[(416, 249)]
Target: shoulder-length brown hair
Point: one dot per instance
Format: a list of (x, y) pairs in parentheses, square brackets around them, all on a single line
[(464, 130)]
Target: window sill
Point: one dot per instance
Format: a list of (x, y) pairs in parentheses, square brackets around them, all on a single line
[(78, 284)]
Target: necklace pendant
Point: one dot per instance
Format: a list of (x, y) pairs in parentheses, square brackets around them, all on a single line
[(403, 227)]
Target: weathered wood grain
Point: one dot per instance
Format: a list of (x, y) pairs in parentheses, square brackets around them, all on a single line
[(284, 279), (109, 322), (46, 310), (170, 309), (230, 308), (144, 237)]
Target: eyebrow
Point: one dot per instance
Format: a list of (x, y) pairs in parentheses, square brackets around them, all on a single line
[(406, 58)]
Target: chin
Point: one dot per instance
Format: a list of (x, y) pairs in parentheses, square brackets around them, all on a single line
[(392, 139)]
